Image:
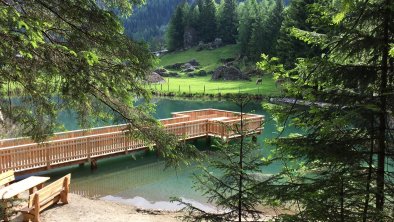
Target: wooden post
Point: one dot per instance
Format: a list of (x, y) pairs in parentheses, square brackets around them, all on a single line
[(93, 164), (208, 141), (64, 193), (47, 156), (89, 151), (36, 208)]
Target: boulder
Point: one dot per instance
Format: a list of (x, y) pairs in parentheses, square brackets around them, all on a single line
[(194, 62), (173, 74), (187, 67), (155, 78), (161, 71), (201, 73), (228, 73), (217, 43), (190, 75), (175, 66)]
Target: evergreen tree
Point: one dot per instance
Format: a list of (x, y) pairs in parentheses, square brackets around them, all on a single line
[(288, 47), (272, 27), (208, 21), (176, 29), (230, 179), (248, 13), (228, 22), (342, 167)]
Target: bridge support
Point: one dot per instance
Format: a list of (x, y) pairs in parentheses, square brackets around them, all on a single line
[(93, 164), (208, 141)]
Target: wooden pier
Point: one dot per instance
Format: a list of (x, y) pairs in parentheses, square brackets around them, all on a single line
[(75, 147)]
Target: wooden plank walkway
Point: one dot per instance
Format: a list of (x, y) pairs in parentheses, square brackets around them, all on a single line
[(73, 147)]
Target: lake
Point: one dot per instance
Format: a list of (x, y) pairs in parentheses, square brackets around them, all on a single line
[(140, 179)]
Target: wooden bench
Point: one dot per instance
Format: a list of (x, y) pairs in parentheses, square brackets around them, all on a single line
[(47, 196), (6, 178)]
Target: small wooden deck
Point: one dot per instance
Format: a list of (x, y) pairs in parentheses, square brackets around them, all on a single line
[(74, 147)]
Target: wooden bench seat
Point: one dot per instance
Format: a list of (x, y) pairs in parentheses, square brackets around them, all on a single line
[(47, 196), (6, 178)]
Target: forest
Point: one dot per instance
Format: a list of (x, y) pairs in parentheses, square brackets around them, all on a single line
[(149, 22)]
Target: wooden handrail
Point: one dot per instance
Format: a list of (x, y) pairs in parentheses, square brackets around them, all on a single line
[(24, 155)]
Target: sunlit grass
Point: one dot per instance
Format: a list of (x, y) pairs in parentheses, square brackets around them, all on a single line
[(197, 85)]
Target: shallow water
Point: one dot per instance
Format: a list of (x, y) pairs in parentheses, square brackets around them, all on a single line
[(140, 179)]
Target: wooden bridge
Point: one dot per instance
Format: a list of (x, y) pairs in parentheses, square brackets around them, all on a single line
[(75, 147)]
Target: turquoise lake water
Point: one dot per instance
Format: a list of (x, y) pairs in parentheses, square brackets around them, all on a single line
[(140, 179)]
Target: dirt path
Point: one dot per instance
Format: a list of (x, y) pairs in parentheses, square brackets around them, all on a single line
[(88, 210)]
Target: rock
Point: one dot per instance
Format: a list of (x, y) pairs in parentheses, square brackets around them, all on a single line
[(190, 75), (228, 73), (173, 74), (194, 62), (176, 66), (187, 67), (190, 69), (217, 43), (201, 73), (161, 71), (155, 78)]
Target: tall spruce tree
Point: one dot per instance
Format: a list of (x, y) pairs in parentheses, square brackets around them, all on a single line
[(208, 22), (289, 48), (228, 22), (176, 29), (342, 167), (248, 13), (272, 28)]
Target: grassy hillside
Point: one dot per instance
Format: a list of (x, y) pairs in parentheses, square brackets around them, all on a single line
[(198, 84), (209, 59)]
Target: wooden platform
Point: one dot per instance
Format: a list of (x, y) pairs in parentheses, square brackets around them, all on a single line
[(73, 147)]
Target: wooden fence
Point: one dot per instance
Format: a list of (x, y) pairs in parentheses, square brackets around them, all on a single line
[(25, 156)]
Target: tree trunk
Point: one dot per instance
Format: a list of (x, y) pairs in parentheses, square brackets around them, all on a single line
[(380, 178)]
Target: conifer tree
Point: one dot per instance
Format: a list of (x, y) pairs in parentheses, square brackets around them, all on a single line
[(228, 22), (341, 167), (176, 29), (230, 179), (208, 21), (289, 48), (272, 27)]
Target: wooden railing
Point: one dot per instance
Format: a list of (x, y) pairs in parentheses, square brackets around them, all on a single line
[(24, 155)]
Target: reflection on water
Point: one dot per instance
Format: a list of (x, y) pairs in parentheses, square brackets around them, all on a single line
[(141, 179)]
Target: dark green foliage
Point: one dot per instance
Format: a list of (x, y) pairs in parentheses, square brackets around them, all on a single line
[(208, 25), (289, 48), (176, 29), (342, 167), (231, 179), (149, 22), (228, 22), (272, 27), (259, 27), (73, 55)]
